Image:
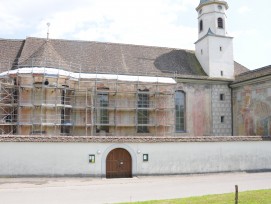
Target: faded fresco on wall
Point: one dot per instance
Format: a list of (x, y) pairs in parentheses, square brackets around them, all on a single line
[(198, 109), (252, 110)]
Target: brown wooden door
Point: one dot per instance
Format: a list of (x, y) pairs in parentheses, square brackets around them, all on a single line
[(119, 164)]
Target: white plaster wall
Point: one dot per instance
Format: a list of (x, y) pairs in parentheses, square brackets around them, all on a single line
[(61, 159), (202, 54), (221, 60), (182, 158)]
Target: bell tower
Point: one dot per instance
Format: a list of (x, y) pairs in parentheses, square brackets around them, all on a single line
[(214, 48)]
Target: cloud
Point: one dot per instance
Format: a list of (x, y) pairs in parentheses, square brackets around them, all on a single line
[(7, 21), (246, 33), (244, 10), (151, 22)]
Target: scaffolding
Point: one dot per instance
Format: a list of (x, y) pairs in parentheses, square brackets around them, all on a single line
[(49, 101)]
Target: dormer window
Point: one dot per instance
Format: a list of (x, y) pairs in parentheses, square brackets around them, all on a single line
[(220, 23), (200, 26)]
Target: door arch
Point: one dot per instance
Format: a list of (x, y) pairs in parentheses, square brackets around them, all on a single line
[(119, 164)]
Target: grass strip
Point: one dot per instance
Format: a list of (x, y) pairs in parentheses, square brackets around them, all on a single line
[(248, 197)]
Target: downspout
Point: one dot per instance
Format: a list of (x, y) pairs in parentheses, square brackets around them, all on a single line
[(231, 109), (212, 120)]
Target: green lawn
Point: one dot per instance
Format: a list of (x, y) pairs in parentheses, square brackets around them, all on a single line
[(249, 197)]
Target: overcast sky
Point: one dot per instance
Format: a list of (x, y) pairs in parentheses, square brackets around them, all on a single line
[(167, 23)]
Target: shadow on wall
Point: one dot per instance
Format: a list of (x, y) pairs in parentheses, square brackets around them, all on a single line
[(179, 61)]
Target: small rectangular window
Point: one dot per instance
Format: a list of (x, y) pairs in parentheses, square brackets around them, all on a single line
[(222, 119), (145, 157), (91, 158), (220, 48), (221, 73), (222, 97)]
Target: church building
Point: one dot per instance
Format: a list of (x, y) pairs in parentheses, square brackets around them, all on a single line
[(113, 96)]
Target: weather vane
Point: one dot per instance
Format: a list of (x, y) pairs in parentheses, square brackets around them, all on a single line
[(48, 25)]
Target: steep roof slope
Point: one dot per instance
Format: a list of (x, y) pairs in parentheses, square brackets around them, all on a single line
[(96, 57), (253, 74), (9, 53), (117, 58), (45, 56), (239, 69)]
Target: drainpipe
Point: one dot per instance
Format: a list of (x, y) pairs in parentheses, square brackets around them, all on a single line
[(231, 109)]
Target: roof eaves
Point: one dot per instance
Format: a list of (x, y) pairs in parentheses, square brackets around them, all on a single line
[(192, 77)]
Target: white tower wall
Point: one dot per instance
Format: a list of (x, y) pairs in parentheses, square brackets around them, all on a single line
[(202, 54), (209, 15), (215, 55), (221, 62), (214, 48)]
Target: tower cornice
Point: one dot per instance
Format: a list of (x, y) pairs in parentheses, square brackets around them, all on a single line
[(209, 2), (214, 35)]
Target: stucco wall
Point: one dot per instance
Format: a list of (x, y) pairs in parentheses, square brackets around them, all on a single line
[(198, 114), (221, 108), (59, 159), (204, 109)]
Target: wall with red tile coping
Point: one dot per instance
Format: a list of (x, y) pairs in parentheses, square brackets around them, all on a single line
[(130, 139)]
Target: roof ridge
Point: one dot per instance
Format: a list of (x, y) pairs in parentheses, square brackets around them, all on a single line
[(4, 39), (115, 43)]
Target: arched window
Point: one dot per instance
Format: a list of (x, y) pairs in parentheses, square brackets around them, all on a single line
[(143, 104), (102, 113), (179, 111), (220, 23), (200, 25)]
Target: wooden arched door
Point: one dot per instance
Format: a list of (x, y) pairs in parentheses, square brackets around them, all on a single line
[(119, 164)]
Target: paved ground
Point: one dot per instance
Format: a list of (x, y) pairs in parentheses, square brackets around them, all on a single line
[(92, 191)]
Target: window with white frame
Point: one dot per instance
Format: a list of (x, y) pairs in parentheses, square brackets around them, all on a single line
[(102, 114), (180, 111), (142, 111)]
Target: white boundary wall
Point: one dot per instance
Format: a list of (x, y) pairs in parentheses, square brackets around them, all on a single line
[(71, 159)]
